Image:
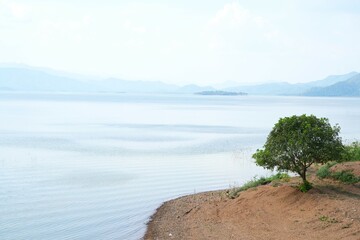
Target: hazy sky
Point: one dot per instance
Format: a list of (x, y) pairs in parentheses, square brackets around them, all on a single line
[(183, 41)]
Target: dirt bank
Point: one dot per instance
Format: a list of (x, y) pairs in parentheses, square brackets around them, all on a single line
[(330, 210)]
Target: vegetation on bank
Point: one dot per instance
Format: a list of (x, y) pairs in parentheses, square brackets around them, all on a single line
[(350, 153), (345, 176), (234, 192), (297, 142)]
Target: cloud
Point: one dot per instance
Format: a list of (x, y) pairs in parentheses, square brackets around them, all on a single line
[(71, 30), (134, 28), (233, 14), (236, 29), (17, 10)]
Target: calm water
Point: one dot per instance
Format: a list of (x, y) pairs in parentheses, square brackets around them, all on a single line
[(97, 166)]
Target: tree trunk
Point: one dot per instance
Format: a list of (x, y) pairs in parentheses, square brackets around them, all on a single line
[(303, 175), (305, 186)]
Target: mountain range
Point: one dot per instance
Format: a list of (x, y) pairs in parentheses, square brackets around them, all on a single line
[(38, 80), (284, 88), (349, 88), (25, 78)]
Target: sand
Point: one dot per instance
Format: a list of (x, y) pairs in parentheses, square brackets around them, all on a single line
[(331, 210)]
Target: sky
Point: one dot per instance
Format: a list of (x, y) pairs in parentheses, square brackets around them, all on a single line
[(185, 41)]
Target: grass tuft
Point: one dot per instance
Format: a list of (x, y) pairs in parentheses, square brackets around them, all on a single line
[(327, 219), (323, 218)]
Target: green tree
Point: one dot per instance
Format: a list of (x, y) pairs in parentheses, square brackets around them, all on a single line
[(296, 142)]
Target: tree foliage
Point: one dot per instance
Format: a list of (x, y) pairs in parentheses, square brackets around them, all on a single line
[(296, 142)]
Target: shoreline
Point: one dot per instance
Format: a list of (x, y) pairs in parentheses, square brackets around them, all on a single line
[(331, 210)]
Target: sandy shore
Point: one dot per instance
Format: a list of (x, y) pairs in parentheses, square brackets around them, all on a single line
[(330, 210)]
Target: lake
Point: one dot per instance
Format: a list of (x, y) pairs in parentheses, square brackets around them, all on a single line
[(96, 166)]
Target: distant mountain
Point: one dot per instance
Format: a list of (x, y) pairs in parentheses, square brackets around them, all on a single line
[(347, 88), (330, 80), (15, 77), (18, 79), (192, 88), (38, 80), (284, 88)]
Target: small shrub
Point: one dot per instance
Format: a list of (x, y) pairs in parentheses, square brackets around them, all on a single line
[(345, 177), (305, 186), (324, 171)]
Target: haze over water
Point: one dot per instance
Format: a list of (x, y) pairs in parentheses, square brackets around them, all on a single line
[(80, 166)]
